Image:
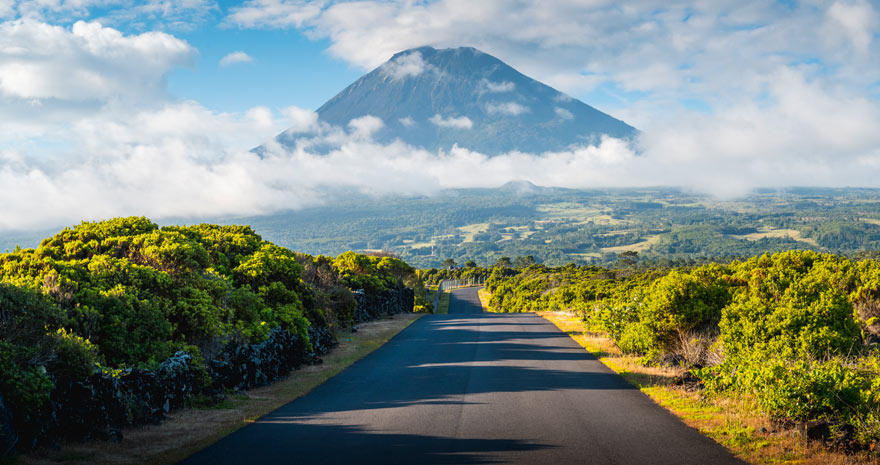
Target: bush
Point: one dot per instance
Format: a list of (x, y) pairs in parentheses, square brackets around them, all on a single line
[(24, 384), (74, 356)]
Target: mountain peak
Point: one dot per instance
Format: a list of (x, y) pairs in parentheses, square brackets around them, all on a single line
[(439, 98)]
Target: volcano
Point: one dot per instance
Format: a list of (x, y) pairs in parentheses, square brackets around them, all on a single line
[(439, 98)]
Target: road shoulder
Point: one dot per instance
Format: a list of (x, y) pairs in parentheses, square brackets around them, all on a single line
[(735, 423)]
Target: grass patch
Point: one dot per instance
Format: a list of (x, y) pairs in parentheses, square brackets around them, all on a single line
[(472, 230), (734, 421), (567, 210), (189, 430), (443, 304)]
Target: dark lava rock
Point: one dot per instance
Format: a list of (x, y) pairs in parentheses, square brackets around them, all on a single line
[(817, 430), (688, 381)]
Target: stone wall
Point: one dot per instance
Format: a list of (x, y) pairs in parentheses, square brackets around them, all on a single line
[(380, 305)]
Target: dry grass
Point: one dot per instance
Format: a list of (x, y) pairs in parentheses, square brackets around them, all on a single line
[(189, 430), (484, 296), (637, 247), (736, 422), (775, 232)]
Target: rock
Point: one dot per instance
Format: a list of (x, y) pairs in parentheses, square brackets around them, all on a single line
[(817, 430), (243, 366), (8, 438), (114, 435), (688, 381), (375, 306)]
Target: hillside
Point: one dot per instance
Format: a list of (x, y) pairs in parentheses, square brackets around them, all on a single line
[(559, 226)]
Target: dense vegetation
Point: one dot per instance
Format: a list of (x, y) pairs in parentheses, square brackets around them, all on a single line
[(126, 293), (797, 330)]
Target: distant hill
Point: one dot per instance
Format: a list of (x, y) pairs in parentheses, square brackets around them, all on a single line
[(435, 99)]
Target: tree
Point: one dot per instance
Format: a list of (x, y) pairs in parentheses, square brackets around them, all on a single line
[(524, 262), (504, 262), (448, 263), (628, 258), (470, 264)]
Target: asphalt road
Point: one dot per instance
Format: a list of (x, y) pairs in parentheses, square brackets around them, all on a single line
[(470, 387)]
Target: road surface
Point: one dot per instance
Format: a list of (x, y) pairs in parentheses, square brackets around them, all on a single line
[(471, 388)]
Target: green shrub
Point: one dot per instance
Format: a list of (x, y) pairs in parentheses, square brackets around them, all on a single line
[(638, 338), (74, 356), (25, 385)]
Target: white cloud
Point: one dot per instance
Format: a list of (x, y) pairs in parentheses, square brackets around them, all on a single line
[(365, 126), (6, 8), (507, 108), (39, 61), (407, 122), (51, 77), (164, 14), (461, 122), (235, 58), (275, 13), (856, 21), (301, 120), (177, 160), (261, 117), (504, 86), (563, 113), (404, 66)]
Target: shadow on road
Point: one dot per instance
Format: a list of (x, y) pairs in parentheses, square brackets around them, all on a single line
[(350, 444), (454, 360)]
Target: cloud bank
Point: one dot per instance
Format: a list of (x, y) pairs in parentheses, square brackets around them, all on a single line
[(174, 162)]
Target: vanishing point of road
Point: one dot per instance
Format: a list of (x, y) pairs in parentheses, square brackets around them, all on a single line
[(471, 387)]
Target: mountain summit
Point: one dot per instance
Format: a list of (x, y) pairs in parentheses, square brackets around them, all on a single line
[(434, 99)]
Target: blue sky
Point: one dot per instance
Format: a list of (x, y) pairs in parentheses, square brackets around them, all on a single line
[(119, 107), (287, 69)]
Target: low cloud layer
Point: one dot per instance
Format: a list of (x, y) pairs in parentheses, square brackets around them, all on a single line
[(175, 162)]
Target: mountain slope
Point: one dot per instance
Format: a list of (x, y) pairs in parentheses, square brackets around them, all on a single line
[(437, 98)]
